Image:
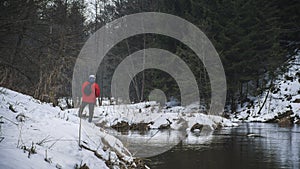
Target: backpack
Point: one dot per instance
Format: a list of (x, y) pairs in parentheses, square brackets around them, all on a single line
[(88, 89)]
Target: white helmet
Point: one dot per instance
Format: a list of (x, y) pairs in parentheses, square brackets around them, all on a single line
[(92, 76)]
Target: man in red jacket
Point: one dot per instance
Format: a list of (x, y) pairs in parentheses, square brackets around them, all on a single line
[(90, 91)]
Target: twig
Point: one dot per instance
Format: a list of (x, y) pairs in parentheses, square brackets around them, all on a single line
[(9, 120), (60, 140), (79, 139), (43, 140), (1, 139), (94, 151), (55, 142)]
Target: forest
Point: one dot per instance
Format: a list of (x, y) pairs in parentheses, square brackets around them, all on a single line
[(41, 39)]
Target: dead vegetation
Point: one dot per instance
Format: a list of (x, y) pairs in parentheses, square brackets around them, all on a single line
[(125, 126), (135, 164), (31, 150)]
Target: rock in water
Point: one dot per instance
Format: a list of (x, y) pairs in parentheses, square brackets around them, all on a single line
[(197, 126)]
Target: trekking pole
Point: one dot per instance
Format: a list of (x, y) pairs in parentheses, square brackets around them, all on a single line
[(79, 128), (99, 102)]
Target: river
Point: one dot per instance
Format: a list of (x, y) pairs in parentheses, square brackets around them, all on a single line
[(251, 145)]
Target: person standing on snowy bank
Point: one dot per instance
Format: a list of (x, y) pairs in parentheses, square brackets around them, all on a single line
[(90, 91)]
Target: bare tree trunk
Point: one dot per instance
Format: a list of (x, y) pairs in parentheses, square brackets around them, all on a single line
[(265, 100)]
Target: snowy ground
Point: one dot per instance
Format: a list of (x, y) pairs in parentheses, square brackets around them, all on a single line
[(37, 135), (52, 134), (284, 97)]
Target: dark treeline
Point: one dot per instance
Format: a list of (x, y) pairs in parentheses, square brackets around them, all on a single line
[(40, 40)]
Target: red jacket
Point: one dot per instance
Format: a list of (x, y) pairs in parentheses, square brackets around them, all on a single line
[(92, 97)]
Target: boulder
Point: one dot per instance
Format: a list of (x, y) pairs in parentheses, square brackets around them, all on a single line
[(279, 117), (141, 126), (21, 117), (289, 78), (197, 126), (165, 126), (296, 101), (285, 122), (121, 126)]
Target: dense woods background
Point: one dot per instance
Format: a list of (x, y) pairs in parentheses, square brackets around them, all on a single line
[(40, 40)]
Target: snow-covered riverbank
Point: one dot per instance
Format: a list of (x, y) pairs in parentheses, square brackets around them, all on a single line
[(149, 130), (283, 99), (148, 112), (38, 135)]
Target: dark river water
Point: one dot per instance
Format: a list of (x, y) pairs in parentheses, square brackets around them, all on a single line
[(267, 146)]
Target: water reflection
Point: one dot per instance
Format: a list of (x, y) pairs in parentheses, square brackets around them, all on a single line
[(251, 145), (149, 143)]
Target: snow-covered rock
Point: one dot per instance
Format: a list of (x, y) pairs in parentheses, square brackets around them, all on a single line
[(148, 112)]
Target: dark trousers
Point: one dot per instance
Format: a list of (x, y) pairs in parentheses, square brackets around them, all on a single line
[(91, 110)]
